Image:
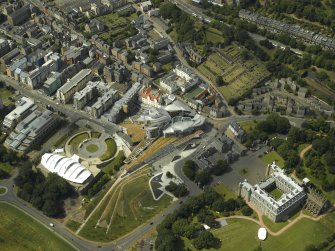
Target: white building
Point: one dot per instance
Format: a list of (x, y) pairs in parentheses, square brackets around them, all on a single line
[(67, 168), (183, 125), (260, 196), (24, 107)]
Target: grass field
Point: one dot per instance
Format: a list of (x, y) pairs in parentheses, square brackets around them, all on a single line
[(73, 225), (4, 95), (92, 148), (248, 126), (135, 131), (2, 190), (116, 163), (239, 75), (136, 206), (110, 151), (6, 168), (129, 205), (276, 193), (75, 142), (19, 231), (95, 135), (273, 156), (242, 235), (117, 26), (227, 192)]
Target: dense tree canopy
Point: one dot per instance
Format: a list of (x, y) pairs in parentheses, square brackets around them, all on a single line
[(46, 194)]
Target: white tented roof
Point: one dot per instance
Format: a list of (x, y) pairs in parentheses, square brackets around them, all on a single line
[(262, 233), (68, 168)]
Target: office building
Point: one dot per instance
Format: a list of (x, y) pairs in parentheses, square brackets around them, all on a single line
[(75, 84), (24, 107), (31, 131)]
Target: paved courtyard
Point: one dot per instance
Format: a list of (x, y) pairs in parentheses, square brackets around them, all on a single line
[(98, 144)]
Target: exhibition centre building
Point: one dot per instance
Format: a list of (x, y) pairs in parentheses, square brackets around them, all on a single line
[(68, 168)]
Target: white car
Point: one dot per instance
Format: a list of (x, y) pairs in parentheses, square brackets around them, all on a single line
[(51, 224)]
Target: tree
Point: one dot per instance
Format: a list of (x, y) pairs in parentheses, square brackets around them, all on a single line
[(179, 227), (177, 190), (246, 210), (202, 178), (3, 174), (206, 240), (219, 81), (221, 167), (190, 168)]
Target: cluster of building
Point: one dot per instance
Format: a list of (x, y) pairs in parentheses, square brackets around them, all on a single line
[(182, 79), (293, 30), (286, 96), (173, 118), (123, 105), (28, 125), (220, 148)]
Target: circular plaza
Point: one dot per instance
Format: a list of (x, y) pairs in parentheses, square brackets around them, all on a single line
[(91, 145)]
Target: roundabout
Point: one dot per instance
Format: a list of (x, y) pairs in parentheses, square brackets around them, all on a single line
[(3, 190)]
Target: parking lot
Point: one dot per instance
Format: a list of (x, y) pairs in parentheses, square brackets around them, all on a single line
[(249, 167)]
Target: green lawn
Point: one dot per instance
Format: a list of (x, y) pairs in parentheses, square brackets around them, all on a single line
[(116, 163), (73, 225), (273, 156), (276, 193), (136, 206), (242, 235), (5, 94), (111, 149), (248, 126), (92, 148), (273, 226), (95, 135), (6, 168), (223, 190), (19, 231), (194, 93), (2, 190), (75, 142)]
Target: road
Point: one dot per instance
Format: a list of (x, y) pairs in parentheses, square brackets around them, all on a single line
[(79, 243), (192, 9)]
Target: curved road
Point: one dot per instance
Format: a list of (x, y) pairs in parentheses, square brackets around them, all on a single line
[(81, 244)]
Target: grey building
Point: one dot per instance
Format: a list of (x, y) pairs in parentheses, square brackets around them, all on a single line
[(31, 131)]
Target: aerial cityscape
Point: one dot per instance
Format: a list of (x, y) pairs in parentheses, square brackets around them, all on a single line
[(167, 125)]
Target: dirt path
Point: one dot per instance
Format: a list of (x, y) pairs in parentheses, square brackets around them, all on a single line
[(282, 230), (305, 150)]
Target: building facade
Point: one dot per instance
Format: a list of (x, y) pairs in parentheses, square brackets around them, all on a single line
[(276, 209)]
